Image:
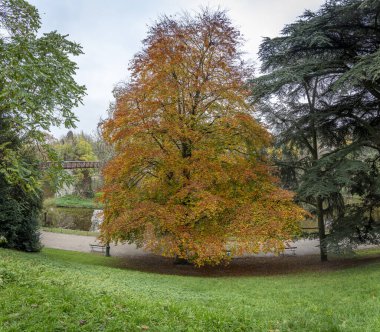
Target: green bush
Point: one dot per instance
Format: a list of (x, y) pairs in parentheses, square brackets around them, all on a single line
[(19, 216)]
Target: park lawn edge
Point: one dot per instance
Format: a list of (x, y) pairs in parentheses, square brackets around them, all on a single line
[(65, 290), (72, 201), (68, 231)]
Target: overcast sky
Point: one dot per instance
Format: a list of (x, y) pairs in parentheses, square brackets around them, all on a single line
[(110, 33)]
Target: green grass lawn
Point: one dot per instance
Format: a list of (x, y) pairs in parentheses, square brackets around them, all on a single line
[(72, 201), (69, 231), (68, 291)]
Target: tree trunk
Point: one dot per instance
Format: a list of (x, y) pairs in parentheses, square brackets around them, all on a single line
[(181, 261), (314, 150), (321, 230)]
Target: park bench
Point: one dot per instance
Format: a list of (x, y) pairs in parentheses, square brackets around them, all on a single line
[(289, 248), (97, 247)]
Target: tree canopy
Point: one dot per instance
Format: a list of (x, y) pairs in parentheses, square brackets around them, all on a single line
[(320, 93), (190, 177), (37, 91), (37, 88)]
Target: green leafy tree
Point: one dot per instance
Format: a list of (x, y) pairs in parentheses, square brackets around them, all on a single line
[(37, 90), (102, 149), (320, 92), (78, 147), (20, 208)]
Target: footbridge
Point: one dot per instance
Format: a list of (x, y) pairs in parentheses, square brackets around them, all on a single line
[(73, 164)]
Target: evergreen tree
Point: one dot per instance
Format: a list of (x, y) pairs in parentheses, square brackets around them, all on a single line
[(320, 92), (21, 202)]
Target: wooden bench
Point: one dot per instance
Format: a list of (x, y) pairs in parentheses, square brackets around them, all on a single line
[(289, 248), (97, 247)]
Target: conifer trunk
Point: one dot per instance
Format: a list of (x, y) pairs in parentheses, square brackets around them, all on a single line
[(311, 97), (321, 230)]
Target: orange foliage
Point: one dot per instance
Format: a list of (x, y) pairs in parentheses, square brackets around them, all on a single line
[(190, 177)]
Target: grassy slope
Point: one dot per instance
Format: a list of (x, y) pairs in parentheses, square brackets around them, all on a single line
[(68, 291), (73, 202), (69, 231)]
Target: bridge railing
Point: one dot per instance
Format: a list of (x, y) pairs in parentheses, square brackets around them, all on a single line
[(75, 164)]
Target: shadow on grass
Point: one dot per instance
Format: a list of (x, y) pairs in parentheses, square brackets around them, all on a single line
[(243, 266), (247, 266)]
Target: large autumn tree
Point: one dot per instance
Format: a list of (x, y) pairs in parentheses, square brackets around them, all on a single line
[(190, 177)]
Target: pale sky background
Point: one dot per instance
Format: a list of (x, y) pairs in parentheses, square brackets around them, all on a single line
[(110, 32)]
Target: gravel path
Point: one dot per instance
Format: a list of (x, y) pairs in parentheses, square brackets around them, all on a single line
[(82, 243), (306, 259)]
